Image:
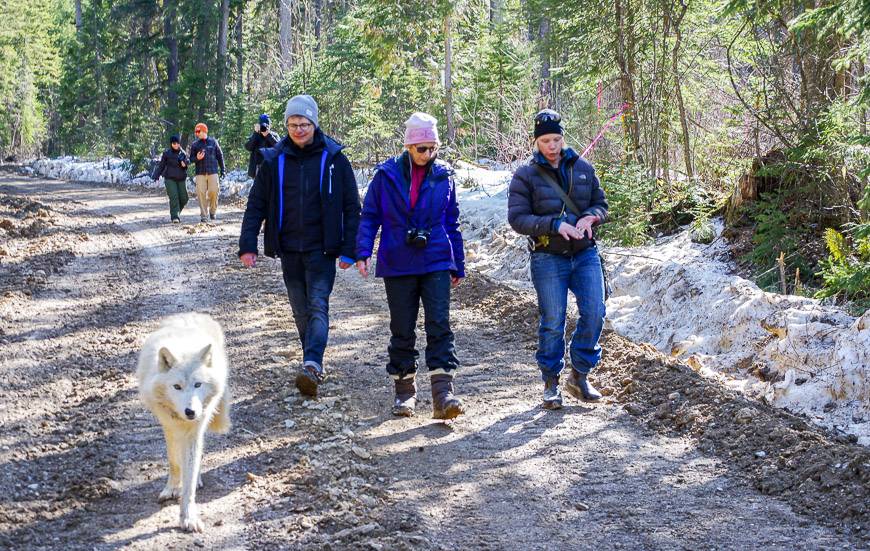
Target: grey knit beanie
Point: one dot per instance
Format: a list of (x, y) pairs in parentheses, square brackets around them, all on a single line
[(303, 106)]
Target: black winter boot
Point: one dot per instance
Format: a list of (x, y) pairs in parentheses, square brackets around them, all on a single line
[(552, 394), (578, 386), (444, 404), (406, 396)]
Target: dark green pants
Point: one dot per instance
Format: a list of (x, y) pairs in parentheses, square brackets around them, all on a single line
[(177, 192)]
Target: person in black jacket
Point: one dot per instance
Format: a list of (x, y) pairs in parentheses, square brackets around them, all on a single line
[(173, 168), (263, 137), (563, 254), (306, 192)]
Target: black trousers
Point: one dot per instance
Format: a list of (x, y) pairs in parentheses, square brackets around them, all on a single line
[(404, 294)]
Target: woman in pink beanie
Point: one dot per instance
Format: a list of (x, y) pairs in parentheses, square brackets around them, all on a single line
[(412, 200)]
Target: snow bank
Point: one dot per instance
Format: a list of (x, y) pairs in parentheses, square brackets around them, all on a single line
[(680, 297), (491, 246), (113, 170)]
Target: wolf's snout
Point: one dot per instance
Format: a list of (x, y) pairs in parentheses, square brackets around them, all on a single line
[(190, 413)]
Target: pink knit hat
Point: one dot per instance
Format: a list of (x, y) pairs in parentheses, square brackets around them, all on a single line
[(421, 128)]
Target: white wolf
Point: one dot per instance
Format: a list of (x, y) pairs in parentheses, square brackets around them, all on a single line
[(182, 376)]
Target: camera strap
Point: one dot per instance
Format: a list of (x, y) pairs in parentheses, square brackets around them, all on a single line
[(566, 199)]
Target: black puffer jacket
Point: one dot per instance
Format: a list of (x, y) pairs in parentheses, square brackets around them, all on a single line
[(535, 208), (254, 144), (339, 201), (170, 165)]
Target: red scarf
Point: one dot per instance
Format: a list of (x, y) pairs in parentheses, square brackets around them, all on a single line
[(418, 174)]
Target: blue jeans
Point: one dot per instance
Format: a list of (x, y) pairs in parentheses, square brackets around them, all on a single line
[(309, 278), (404, 294), (553, 276)]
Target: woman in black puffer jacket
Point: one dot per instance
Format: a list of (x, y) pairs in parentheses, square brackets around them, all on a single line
[(563, 254), (173, 168)]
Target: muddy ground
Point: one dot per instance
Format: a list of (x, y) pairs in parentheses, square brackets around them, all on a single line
[(668, 461)]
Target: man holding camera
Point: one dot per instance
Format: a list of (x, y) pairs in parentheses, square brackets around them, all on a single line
[(263, 137), (209, 159), (306, 192), (412, 200)]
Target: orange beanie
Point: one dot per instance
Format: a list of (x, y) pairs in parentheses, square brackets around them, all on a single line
[(200, 126)]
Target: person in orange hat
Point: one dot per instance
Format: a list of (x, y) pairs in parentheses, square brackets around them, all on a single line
[(209, 159)]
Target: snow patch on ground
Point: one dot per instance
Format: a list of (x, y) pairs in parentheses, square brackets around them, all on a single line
[(808, 357), (113, 170)]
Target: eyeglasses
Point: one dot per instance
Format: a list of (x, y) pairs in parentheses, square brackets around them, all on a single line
[(425, 148), (548, 115), (305, 127)]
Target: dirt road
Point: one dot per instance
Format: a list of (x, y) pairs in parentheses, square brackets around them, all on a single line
[(86, 272)]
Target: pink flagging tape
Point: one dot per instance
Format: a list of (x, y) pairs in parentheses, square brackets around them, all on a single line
[(610, 121)]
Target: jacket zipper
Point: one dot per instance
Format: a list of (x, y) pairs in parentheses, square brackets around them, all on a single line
[(303, 189)]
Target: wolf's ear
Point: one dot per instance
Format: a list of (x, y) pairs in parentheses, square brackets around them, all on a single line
[(205, 355), (165, 359)]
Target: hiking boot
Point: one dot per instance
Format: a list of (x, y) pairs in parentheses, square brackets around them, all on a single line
[(203, 219), (406, 396), (552, 394), (176, 221), (213, 216), (310, 375), (579, 387), (444, 404)]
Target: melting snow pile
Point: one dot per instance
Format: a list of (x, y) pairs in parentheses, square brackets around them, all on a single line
[(679, 296), (491, 246), (112, 170)]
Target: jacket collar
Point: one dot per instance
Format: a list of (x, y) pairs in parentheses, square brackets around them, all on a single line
[(398, 168), (569, 156)]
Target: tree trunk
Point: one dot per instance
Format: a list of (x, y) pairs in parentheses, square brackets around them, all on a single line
[(240, 52), (169, 11), (222, 57), (496, 12), (98, 67), (78, 16), (318, 22), (626, 84), (285, 33), (862, 71), (546, 85), (678, 89), (448, 80)]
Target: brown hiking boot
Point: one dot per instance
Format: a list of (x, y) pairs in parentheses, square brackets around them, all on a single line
[(406, 396), (309, 377), (444, 404), (578, 386)]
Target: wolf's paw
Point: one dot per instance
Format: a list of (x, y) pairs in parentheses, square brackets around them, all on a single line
[(191, 523), (169, 493)]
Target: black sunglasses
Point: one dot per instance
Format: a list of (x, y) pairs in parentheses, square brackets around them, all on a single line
[(548, 115), (424, 148)]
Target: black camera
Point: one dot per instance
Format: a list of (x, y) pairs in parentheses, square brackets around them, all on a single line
[(417, 238)]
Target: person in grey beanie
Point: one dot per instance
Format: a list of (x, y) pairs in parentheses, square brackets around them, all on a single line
[(306, 192)]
